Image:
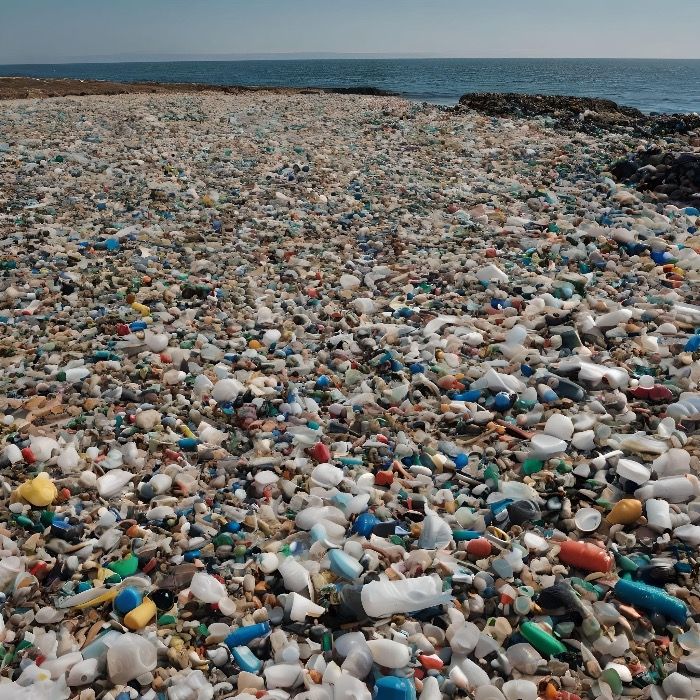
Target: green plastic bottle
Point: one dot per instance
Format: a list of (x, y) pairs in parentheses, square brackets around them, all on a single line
[(544, 642)]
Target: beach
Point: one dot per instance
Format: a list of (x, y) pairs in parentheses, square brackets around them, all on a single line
[(260, 350)]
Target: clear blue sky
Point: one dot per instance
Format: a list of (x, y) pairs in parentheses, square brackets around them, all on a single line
[(61, 30)]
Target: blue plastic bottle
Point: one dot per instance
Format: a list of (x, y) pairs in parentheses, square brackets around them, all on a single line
[(188, 444), (652, 599), (244, 635)]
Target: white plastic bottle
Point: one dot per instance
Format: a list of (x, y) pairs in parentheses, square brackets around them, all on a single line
[(129, 657), (382, 598), (675, 489)]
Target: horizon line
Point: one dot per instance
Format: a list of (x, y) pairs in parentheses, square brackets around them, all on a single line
[(321, 56)]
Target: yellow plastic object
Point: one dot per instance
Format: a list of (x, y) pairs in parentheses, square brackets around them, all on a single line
[(39, 492), (141, 615), (141, 308), (186, 431), (625, 512), (106, 597)]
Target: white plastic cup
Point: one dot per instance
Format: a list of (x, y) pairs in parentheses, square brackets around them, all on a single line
[(299, 608)]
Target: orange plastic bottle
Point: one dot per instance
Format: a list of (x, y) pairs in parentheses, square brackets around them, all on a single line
[(584, 555)]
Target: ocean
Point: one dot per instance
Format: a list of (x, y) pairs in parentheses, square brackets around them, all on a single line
[(650, 85)]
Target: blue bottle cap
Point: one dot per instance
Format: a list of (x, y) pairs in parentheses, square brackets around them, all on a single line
[(127, 599)]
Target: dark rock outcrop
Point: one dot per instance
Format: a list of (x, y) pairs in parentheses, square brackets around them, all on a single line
[(580, 113), (362, 90), (675, 175)]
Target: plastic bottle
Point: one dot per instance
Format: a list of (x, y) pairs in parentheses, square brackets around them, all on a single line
[(206, 588), (358, 663), (344, 565), (674, 489), (544, 642), (98, 647), (625, 512), (651, 599), (584, 555), (129, 657), (387, 652), (282, 676), (246, 660), (435, 533), (473, 673), (10, 567), (488, 692), (520, 690), (431, 689), (524, 657), (83, 673), (245, 635), (383, 598), (658, 512), (299, 608), (294, 575)]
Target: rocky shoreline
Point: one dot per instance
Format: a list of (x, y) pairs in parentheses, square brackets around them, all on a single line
[(580, 113), (14, 88), (663, 158)]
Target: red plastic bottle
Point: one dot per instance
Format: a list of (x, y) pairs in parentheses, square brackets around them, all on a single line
[(584, 555)]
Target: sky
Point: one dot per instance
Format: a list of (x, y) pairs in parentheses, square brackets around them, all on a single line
[(54, 31)]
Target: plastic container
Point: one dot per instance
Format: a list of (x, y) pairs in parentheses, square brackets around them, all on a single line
[(674, 489), (544, 642), (127, 599), (586, 556), (246, 634), (141, 615), (384, 598), (129, 657)]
